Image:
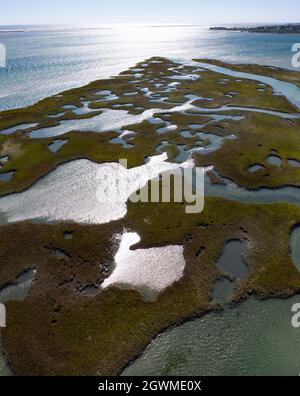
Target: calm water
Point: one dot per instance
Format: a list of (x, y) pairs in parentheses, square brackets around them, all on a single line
[(14, 292), (44, 61), (295, 247), (257, 338)]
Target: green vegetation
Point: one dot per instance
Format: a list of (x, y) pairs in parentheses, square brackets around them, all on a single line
[(61, 330), (274, 72), (31, 158), (226, 90), (65, 332), (258, 136)]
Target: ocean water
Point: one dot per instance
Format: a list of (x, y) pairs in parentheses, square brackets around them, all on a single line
[(43, 61), (256, 338)]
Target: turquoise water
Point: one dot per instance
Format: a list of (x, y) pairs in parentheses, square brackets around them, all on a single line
[(256, 338), (43, 61)]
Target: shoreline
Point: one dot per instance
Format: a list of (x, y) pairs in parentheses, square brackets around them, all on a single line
[(275, 29), (214, 310)]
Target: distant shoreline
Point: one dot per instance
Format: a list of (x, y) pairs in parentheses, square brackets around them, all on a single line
[(278, 29), (12, 31)]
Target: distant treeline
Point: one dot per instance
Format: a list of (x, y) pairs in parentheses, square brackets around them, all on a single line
[(283, 29)]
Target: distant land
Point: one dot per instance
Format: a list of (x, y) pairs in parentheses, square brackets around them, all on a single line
[(12, 30), (281, 29)]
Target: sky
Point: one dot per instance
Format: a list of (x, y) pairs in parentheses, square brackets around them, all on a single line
[(99, 12)]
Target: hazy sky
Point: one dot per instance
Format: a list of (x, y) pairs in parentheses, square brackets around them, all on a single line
[(97, 12)]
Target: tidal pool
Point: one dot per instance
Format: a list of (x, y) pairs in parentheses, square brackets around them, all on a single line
[(223, 290), (255, 338), (4, 159), (57, 115), (120, 140), (68, 235), (6, 177), (56, 145), (255, 168), (16, 291), (149, 271), (16, 128), (295, 246), (168, 128), (84, 110), (162, 147), (293, 162), (232, 261), (185, 77), (274, 160), (83, 191), (183, 153)]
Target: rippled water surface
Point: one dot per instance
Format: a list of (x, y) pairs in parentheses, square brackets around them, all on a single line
[(257, 338), (83, 191), (44, 61), (148, 270)]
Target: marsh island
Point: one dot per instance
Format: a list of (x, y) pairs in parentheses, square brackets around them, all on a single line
[(78, 316)]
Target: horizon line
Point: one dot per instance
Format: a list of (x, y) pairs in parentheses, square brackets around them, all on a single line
[(149, 24)]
